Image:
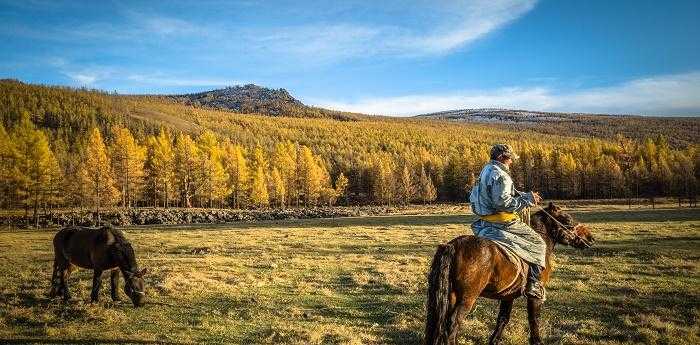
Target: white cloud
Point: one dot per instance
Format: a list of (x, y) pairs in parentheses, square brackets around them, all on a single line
[(420, 28), (86, 76), (84, 79), (95, 74), (675, 94), (451, 26)]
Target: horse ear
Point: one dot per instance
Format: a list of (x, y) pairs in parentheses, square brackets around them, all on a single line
[(143, 272), (553, 208)]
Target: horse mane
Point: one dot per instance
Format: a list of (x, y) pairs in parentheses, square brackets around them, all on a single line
[(123, 246), (540, 225), (537, 223)]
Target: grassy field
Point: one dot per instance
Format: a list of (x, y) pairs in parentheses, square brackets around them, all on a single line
[(355, 281)]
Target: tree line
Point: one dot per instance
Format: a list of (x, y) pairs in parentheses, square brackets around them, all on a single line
[(163, 170), (62, 147)]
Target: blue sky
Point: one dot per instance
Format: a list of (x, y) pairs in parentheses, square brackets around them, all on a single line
[(380, 57)]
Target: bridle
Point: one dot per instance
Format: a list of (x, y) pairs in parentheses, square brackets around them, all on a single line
[(566, 228), (130, 276)]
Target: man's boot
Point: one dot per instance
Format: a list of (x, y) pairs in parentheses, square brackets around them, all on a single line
[(534, 287)]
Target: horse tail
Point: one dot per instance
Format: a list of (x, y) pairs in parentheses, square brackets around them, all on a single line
[(438, 325), (60, 240)]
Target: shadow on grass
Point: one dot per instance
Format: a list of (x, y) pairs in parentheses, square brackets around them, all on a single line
[(646, 249), (621, 313), (643, 215), (83, 341), (646, 215)]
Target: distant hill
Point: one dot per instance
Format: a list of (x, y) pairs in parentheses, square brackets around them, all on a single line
[(680, 131), (253, 99)]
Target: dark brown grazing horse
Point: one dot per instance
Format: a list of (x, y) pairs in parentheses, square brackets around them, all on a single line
[(99, 249), (469, 267)]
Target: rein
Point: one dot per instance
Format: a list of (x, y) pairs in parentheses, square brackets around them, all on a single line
[(565, 228)]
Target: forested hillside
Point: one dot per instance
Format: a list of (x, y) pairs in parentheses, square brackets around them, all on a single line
[(680, 131), (66, 147)]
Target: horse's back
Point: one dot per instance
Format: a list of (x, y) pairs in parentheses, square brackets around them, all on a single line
[(61, 240), (84, 247)]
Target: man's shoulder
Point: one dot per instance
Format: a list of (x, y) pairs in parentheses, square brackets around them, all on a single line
[(494, 172)]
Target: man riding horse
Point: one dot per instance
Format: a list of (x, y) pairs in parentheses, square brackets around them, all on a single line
[(496, 201)]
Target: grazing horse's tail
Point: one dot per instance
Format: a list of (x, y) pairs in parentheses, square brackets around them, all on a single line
[(439, 326)]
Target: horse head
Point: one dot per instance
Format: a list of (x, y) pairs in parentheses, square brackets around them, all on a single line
[(134, 287), (564, 229)]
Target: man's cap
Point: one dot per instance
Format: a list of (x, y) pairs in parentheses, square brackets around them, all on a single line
[(503, 149)]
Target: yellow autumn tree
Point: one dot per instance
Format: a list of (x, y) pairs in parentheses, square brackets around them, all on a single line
[(310, 176), (426, 188), (96, 173), (186, 165), (284, 159), (258, 192), (128, 158), (8, 168), (213, 180), (383, 182), (160, 171), (37, 172), (238, 174), (341, 187), (278, 191)]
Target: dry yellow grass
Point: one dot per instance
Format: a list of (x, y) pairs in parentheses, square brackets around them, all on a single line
[(356, 281)]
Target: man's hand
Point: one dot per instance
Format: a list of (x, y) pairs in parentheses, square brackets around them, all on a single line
[(537, 197)]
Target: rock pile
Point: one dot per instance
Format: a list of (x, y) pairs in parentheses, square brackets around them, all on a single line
[(148, 216)]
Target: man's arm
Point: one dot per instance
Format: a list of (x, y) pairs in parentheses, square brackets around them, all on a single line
[(504, 201)]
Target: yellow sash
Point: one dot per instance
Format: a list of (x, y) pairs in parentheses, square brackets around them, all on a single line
[(500, 217)]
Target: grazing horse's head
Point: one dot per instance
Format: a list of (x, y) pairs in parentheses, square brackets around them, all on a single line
[(134, 287), (566, 230)]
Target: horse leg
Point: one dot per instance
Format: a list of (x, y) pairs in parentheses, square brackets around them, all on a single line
[(504, 311), (96, 283), (467, 303), (533, 315), (56, 277), (114, 284), (64, 275)]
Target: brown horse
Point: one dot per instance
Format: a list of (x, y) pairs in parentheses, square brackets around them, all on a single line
[(99, 249), (469, 267)]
